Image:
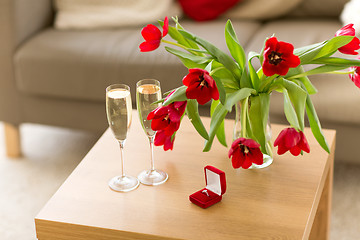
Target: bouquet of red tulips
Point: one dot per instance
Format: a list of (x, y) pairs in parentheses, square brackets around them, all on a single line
[(227, 80)]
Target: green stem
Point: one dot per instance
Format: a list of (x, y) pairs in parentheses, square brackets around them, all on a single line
[(181, 46), (244, 107), (342, 72), (308, 74), (174, 43)]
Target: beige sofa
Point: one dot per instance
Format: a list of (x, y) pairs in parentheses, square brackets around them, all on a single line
[(59, 77)]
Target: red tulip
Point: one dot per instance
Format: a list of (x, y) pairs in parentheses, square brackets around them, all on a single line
[(201, 86), (349, 48), (176, 109), (161, 120), (166, 121), (161, 138), (245, 152), (355, 77), (291, 139), (278, 57), (153, 36)]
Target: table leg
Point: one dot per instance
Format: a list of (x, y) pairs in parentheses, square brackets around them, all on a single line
[(321, 226)]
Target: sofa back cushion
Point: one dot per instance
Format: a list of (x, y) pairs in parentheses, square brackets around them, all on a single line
[(319, 8), (91, 14), (261, 9)]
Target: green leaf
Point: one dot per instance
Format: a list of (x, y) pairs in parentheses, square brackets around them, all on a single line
[(216, 120), (235, 97), (308, 53), (220, 56), (193, 114), (221, 89), (298, 98), (245, 81), (315, 125), (261, 55), (226, 77), (290, 113), (198, 50), (325, 69), (310, 88), (336, 61), (333, 45), (319, 70), (258, 116), (236, 50), (178, 95), (253, 75), (220, 133), (209, 66), (304, 79), (306, 49), (189, 61)]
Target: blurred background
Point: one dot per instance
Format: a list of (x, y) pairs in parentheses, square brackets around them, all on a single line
[(58, 56)]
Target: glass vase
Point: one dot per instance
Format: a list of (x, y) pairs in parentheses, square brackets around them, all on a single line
[(266, 146)]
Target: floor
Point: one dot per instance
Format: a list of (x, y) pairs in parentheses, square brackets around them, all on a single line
[(52, 153)]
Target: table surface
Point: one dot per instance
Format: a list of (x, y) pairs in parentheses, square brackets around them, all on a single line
[(278, 202)]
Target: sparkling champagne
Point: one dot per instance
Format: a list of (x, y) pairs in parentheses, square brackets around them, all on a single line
[(118, 110), (146, 95)]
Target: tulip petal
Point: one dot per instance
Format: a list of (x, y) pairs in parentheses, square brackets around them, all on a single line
[(149, 46), (282, 149), (295, 151), (159, 138), (159, 124), (292, 138), (169, 143), (304, 145), (166, 26), (174, 114), (247, 163), (237, 159), (257, 156), (151, 32), (280, 137)]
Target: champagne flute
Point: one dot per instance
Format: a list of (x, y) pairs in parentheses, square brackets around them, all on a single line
[(119, 115), (147, 92)]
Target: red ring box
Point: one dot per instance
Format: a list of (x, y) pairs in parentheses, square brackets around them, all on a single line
[(215, 188)]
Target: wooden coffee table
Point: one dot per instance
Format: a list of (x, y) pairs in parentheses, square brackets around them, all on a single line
[(291, 199)]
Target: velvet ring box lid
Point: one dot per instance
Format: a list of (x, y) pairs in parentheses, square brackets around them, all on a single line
[(215, 188)]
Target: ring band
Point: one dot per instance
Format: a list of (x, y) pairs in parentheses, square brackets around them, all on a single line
[(205, 192)]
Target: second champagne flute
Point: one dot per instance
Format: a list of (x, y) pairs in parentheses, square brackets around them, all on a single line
[(148, 91)]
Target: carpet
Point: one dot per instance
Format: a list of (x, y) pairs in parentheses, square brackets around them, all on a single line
[(52, 153)]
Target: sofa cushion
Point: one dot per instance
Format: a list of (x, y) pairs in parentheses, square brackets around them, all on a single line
[(339, 97), (80, 64), (85, 14), (318, 8), (261, 9)]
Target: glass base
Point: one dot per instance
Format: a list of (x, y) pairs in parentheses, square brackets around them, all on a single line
[(267, 162), (152, 177), (123, 183)]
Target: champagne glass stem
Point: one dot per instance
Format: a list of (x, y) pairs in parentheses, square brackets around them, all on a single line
[(151, 141), (121, 144)]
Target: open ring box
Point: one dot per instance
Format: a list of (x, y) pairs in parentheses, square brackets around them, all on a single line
[(215, 188)]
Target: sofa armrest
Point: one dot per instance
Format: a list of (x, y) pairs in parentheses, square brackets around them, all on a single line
[(30, 17), (19, 20)]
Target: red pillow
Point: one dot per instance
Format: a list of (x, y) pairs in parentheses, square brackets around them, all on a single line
[(202, 10)]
